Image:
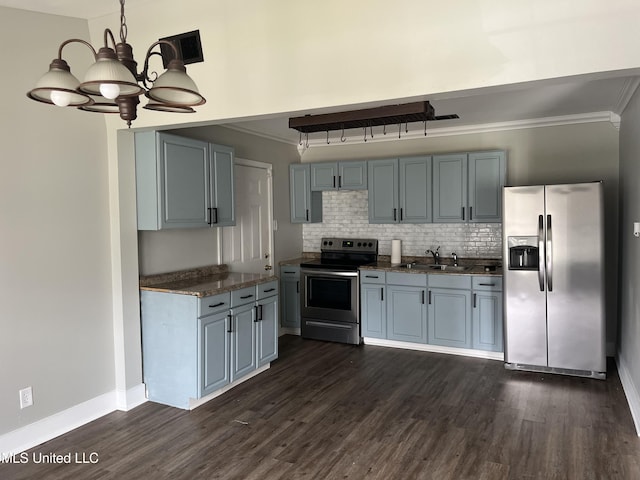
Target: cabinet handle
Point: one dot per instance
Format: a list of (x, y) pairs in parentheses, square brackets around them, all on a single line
[(462, 213), (209, 216), (216, 305), (372, 276), (307, 214), (288, 272), (339, 181), (394, 214), (269, 290), (474, 300), (487, 284), (215, 210), (298, 286), (245, 297), (334, 181), (422, 292), (261, 317), (381, 294), (470, 213), (230, 323), (255, 318), (429, 297)]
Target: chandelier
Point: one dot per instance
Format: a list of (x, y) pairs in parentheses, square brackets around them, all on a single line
[(112, 84)]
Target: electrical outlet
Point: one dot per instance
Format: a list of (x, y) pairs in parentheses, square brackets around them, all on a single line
[(26, 397)]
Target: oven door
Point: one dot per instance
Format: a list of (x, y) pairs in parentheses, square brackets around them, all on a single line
[(330, 295)]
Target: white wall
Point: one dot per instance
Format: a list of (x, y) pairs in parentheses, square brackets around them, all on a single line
[(56, 331), (629, 330)]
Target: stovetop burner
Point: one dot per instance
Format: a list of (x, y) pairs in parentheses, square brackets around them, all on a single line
[(345, 253)]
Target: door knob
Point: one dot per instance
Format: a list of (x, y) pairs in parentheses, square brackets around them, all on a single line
[(268, 267)]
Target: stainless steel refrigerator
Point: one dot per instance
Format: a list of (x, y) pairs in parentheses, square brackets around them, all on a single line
[(553, 241)]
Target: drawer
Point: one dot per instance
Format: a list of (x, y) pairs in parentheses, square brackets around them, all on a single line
[(450, 281), (242, 296), (372, 276), (290, 271), (410, 279), (490, 283), (268, 289), (214, 303)]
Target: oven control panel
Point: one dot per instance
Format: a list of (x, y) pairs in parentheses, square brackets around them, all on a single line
[(364, 245)]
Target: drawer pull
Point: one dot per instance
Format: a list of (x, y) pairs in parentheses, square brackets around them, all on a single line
[(216, 305), (474, 301), (245, 297), (230, 323), (286, 271), (372, 276), (269, 290), (487, 284)]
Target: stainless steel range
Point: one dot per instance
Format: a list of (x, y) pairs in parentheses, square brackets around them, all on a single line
[(330, 307)]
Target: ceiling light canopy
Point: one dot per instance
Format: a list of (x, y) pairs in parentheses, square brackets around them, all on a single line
[(112, 84)]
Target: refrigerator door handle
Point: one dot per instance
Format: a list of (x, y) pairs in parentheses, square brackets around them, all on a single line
[(540, 252), (549, 255)]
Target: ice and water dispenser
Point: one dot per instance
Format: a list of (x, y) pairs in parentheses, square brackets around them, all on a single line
[(523, 253)]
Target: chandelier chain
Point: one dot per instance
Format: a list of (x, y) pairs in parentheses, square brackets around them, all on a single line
[(123, 23)]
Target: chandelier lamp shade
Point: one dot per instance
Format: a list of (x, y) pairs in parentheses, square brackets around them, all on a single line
[(112, 83)]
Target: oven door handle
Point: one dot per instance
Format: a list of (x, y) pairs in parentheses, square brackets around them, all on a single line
[(328, 273), (315, 323)]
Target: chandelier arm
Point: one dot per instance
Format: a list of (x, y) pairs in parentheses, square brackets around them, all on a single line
[(145, 70), (107, 31), (75, 40)]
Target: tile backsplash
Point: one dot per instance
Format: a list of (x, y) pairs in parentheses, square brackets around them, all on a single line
[(346, 214)]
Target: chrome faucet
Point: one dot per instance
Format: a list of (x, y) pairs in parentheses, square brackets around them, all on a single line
[(454, 255), (436, 254)]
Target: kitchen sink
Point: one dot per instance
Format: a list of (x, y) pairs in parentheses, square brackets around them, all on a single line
[(432, 267)]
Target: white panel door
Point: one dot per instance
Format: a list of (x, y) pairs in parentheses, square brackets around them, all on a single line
[(247, 247)]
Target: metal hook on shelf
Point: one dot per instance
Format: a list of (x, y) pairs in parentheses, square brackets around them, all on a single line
[(365, 134), (384, 129), (342, 137), (306, 145), (300, 142), (371, 129), (425, 128), (328, 142), (406, 127), (399, 130)]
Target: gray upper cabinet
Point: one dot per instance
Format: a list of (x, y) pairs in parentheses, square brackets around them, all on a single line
[(487, 171), (400, 190), (383, 191), (468, 187), (182, 182), (306, 206), (415, 190), (339, 176)]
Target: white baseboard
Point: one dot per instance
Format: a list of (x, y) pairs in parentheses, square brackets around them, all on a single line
[(62, 422), (129, 399), (434, 348), (631, 392)]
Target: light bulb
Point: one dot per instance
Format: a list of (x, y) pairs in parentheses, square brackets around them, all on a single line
[(61, 99), (109, 90)]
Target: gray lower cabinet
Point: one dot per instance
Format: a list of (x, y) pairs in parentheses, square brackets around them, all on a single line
[(306, 206), (182, 182), (373, 306), (194, 346), (290, 295), (406, 307), (450, 317), (487, 314)]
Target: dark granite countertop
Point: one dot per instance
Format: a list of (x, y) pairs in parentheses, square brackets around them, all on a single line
[(203, 281)]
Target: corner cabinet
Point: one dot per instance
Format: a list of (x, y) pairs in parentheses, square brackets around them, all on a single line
[(306, 206), (182, 182), (467, 187)]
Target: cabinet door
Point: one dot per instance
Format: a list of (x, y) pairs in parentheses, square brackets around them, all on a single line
[(267, 330), (222, 197), (306, 206), (486, 179), (415, 189), (243, 341), (352, 175), (406, 314), (184, 177), (373, 311), (450, 188), (324, 176), (290, 295), (450, 317), (383, 191), (214, 352), (487, 321)]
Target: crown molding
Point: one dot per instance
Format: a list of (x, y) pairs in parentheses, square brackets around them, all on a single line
[(629, 88)]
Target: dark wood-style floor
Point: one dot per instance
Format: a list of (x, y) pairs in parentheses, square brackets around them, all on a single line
[(327, 410)]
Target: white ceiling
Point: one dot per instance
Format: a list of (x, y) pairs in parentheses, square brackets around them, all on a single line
[(605, 92)]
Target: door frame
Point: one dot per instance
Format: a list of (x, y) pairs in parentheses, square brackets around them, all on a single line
[(269, 168)]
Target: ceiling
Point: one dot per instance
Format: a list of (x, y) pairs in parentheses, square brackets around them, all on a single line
[(523, 104)]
